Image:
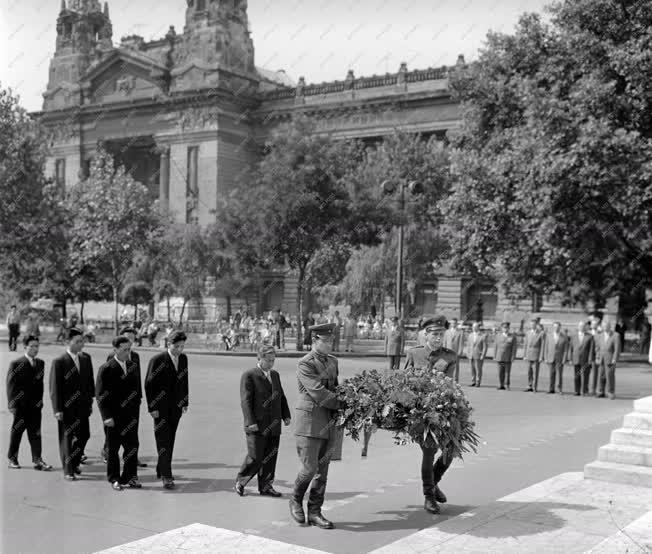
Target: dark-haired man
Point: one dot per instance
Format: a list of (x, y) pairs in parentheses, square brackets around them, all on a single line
[(166, 388), (117, 391), (72, 389), (13, 327), (25, 401), (130, 333)]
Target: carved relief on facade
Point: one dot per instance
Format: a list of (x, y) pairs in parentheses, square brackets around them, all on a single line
[(195, 119), (64, 132), (124, 85)]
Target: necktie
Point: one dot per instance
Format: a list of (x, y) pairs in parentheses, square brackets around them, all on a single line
[(175, 361), (32, 362), (76, 362)]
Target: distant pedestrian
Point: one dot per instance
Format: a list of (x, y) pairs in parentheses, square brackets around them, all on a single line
[(504, 355), (581, 354), (394, 340), (13, 327), (555, 354), (350, 332), (533, 354), (477, 352), (337, 320), (608, 352), (453, 340)]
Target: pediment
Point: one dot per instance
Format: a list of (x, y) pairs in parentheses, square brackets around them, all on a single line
[(123, 76)]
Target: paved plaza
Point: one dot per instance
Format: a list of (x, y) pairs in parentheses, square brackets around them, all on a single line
[(374, 502)]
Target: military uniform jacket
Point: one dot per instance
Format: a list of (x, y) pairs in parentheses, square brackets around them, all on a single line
[(505, 348), (441, 359), (317, 404), (25, 385)]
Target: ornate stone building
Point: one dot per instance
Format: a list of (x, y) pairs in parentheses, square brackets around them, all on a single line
[(189, 112)]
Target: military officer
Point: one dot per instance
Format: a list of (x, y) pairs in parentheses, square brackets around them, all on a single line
[(315, 417), (433, 354), (440, 359)]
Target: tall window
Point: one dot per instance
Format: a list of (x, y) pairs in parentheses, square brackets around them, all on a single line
[(192, 188), (60, 172)]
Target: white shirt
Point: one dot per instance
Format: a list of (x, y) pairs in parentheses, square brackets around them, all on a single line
[(123, 365), (581, 336), (32, 361), (75, 358), (266, 373)]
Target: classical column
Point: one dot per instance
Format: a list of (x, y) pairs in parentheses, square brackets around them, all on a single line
[(164, 177)]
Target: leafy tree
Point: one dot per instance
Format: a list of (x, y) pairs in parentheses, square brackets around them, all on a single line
[(299, 200), (165, 288), (553, 165), (136, 292), (112, 213)]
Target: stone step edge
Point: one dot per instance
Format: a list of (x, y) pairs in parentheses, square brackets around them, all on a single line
[(626, 471), (627, 448), (635, 536), (643, 405)]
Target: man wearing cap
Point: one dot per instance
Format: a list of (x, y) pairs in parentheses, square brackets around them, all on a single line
[(504, 354), (264, 406), (166, 389), (433, 354), (315, 416)]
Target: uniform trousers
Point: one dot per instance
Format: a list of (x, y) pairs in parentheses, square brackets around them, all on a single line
[(262, 452), (476, 370), (432, 471), (504, 372), (315, 457), (533, 374), (30, 420), (165, 433), (607, 377), (123, 434)]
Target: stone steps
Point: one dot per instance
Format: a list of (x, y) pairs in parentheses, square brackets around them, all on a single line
[(625, 454), (639, 421), (643, 405), (619, 473), (632, 437)]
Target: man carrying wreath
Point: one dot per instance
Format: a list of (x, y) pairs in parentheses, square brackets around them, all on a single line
[(434, 356)]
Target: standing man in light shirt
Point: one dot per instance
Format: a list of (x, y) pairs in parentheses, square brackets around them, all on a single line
[(166, 388), (117, 391), (71, 387), (555, 354), (13, 327), (595, 330), (609, 351), (533, 354), (581, 354), (476, 348), (453, 341)]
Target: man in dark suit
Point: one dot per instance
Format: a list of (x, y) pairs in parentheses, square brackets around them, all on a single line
[(117, 391), (608, 352), (533, 354), (316, 413), (581, 353), (130, 333), (264, 406), (394, 338), (166, 388), (72, 389), (25, 401), (555, 354), (504, 354)]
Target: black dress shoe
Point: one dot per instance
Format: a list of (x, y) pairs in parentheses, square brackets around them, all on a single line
[(296, 511), (83, 459), (529, 389), (472, 385), (40, 465), (601, 396), (133, 483), (168, 483), (551, 392), (430, 505), (141, 464), (70, 477), (77, 470), (440, 496), (578, 394), (500, 388), (239, 488), (318, 520), (13, 464), (270, 491), (116, 486)]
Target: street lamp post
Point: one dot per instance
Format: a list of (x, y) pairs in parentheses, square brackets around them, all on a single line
[(389, 188)]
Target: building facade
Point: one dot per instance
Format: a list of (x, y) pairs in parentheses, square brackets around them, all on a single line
[(190, 112)]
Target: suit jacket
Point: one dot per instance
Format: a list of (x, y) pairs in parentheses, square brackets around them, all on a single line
[(72, 391), (117, 392), (317, 404), (135, 358), (263, 403), (166, 388), (453, 340), (25, 384), (581, 353), (505, 348), (476, 349), (607, 349), (555, 353), (394, 341), (533, 346)]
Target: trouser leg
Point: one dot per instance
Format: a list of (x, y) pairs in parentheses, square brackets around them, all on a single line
[(162, 434), (560, 372), (474, 371), (603, 376), (253, 459), (267, 469), (551, 388), (113, 458), (577, 378), (318, 487), (611, 378), (82, 436), (479, 364), (530, 374), (595, 369), (16, 434), (508, 373), (428, 470), (308, 449), (501, 374), (66, 432), (34, 433), (130, 444)]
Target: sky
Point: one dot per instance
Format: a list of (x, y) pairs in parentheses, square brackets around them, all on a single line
[(317, 39)]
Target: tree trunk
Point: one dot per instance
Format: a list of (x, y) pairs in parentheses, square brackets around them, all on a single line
[(81, 312), (228, 307), (300, 317), (167, 301), (64, 301), (115, 307), (135, 312), (183, 309)]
